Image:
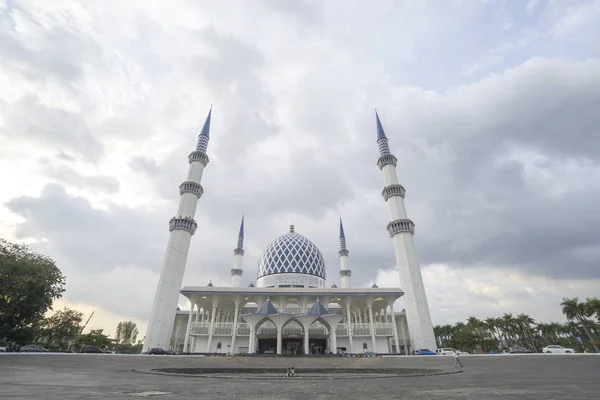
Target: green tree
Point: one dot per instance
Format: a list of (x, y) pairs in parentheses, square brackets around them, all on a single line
[(60, 329), (94, 338), (29, 284), (127, 332), (574, 310)]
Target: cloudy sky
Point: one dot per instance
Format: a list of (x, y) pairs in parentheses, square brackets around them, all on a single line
[(492, 108)]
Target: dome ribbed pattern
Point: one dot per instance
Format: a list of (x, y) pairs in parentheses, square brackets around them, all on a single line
[(291, 253)]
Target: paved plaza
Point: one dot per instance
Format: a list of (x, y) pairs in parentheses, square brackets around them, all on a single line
[(110, 376)]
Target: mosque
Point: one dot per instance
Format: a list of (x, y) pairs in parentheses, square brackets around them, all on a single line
[(291, 309)]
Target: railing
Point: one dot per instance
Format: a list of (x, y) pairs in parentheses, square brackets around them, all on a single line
[(243, 329), (200, 328), (361, 329), (318, 330), (383, 329), (341, 330), (223, 328)]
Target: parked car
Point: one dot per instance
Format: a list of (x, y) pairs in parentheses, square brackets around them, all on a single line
[(424, 352), (33, 348), (91, 349), (2, 349), (554, 348), (446, 351), (519, 350), (157, 351)]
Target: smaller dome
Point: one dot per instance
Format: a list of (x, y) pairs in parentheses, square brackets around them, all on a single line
[(209, 284), (334, 286), (374, 286), (251, 284)]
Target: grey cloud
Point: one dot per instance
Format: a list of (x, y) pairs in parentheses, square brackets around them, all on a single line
[(57, 54), (28, 120), (68, 175), (89, 239)]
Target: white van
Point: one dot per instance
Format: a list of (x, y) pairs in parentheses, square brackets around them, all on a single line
[(446, 351)]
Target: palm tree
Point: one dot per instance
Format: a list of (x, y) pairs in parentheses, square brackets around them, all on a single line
[(524, 323), (574, 310), (593, 307)]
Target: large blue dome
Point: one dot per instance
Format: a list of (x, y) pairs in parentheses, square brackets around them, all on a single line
[(289, 254)]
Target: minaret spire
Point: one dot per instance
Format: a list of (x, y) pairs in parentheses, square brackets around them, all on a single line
[(345, 273), (401, 230), (182, 227), (238, 253), (204, 135), (382, 140)]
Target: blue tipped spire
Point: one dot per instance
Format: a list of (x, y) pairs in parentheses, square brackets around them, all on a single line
[(205, 134), (206, 127), (241, 234), (380, 131), (382, 140), (240, 244), (342, 238)]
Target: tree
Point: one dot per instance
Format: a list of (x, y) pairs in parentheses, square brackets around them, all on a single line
[(94, 338), (29, 284), (60, 329), (574, 310), (127, 332)]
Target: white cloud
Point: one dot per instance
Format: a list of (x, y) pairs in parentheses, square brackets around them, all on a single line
[(103, 101)]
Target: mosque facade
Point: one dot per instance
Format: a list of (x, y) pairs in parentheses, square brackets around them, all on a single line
[(291, 309)]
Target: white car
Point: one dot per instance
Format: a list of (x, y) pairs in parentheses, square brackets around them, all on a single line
[(446, 351), (554, 348), (2, 349)]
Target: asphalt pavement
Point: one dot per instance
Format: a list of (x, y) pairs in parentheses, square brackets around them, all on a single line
[(113, 376)]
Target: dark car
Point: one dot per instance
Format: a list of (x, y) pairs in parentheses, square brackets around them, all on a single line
[(33, 348), (519, 350), (156, 350), (424, 352), (91, 349)]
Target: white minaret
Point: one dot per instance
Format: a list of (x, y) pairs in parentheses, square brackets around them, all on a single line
[(182, 227), (238, 253), (343, 253), (401, 230)]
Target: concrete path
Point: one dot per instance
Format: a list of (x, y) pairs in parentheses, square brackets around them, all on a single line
[(110, 376)]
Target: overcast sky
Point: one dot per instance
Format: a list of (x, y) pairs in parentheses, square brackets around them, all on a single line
[(491, 107)]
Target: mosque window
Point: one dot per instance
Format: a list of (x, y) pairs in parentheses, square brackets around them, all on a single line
[(364, 345), (219, 346)]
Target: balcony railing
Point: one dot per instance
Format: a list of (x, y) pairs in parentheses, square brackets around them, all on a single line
[(243, 329)]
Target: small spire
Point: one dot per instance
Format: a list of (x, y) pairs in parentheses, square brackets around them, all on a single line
[(204, 134), (292, 228), (206, 127), (380, 131), (241, 234), (382, 140), (342, 238)]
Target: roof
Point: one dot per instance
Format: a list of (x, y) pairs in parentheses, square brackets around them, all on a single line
[(271, 291)]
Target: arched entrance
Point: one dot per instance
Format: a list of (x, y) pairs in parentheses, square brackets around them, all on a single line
[(292, 338)]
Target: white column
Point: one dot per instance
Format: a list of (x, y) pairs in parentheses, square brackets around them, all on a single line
[(395, 329), (401, 230), (349, 323), (181, 227), (279, 340), (235, 324), (334, 338), (187, 330), (372, 328), (404, 337), (306, 349), (212, 327), (252, 341)]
